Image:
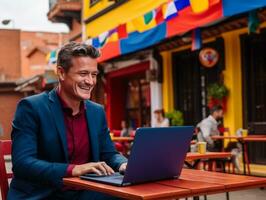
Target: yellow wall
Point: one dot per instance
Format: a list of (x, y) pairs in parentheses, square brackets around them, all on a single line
[(167, 85), (232, 78), (120, 15)]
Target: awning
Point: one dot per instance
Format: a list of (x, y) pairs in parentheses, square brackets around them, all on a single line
[(172, 18)]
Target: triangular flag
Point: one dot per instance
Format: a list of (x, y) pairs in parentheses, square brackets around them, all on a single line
[(103, 37), (171, 11), (122, 31), (181, 4), (196, 39), (199, 6), (148, 17), (159, 15), (140, 25), (96, 42), (253, 21)]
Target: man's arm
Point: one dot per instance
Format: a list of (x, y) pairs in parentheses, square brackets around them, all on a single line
[(26, 164), (107, 149)]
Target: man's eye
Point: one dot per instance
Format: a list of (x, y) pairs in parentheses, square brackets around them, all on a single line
[(83, 74)]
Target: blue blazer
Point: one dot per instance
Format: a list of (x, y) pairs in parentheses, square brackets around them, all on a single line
[(39, 145)]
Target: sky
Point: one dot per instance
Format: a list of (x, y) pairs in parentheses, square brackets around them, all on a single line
[(28, 15)]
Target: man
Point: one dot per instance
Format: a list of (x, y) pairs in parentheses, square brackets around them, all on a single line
[(209, 127), (160, 119), (62, 134)]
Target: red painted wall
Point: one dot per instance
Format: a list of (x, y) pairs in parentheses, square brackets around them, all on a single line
[(116, 92)]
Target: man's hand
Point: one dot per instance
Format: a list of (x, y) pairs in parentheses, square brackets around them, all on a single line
[(100, 168), (123, 167)]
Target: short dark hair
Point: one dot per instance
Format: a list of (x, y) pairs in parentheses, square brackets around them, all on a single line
[(216, 108), (159, 111), (75, 49)]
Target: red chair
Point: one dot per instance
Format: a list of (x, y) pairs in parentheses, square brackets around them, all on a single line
[(5, 149)]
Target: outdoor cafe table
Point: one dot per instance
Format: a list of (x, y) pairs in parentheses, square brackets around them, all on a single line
[(122, 139), (243, 140), (197, 157), (191, 183)]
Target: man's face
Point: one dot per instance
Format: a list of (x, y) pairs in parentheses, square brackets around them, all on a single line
[(219, 114), (80, 79)]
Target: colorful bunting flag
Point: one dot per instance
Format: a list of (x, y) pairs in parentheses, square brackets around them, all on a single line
[(96, 42), (196, 39), (122, 31), (148, 17), (103, 38), (199, 6), (159, 15), (253, 21), (181, 4), (171, 11)]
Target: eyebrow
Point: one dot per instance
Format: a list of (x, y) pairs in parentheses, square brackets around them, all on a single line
[(88, 71)]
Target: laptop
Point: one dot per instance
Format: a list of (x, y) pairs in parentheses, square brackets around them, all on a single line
[(157, 154)]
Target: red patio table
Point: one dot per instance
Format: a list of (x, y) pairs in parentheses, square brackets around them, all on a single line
[(243, 140), (191, 183)]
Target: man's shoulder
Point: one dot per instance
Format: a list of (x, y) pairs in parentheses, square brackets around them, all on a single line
[(37, 97)]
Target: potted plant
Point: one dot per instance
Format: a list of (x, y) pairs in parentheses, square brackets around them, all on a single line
[(217, 95), (175, 117)]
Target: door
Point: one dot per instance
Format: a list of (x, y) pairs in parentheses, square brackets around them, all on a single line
[(191, 80), (254, 91)]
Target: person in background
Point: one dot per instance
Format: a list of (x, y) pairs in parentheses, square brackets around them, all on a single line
[(126, 130), (160, 119), (209, 127)]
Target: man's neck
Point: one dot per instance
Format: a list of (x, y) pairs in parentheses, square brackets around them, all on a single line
[(72, 103)]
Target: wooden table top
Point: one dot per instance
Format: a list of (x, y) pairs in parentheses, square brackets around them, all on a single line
[(122, 139), (207, 155), (190, 183), (244, 138)]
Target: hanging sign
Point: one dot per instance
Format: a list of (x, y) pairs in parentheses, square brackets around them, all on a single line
[(208, 57)]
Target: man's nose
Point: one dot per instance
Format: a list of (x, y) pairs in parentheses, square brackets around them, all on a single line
[(89, 79)]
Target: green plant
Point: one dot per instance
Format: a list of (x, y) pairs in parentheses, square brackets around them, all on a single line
[(217, 91), (175, 117)]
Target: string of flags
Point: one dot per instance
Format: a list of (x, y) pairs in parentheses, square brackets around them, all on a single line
[(149, 20), (171, 18)]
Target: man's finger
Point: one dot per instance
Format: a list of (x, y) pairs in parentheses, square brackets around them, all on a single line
[(100, 167), (109, 170), (96, 171)]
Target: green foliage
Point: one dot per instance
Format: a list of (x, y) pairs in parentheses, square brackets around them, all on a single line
[(217, 91), (175, 117)]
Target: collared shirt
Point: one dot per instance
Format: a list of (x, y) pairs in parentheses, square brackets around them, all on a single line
[(208, 127), (78, 144)]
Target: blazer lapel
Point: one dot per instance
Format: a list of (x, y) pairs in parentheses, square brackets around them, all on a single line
[(90, 114), (58, 117)]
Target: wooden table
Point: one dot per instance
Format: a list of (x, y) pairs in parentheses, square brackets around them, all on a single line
[(122, 139), (191, 183), (197, 157), (243, 140)]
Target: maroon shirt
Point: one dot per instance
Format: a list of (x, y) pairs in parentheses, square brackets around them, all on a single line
[(77, 135)]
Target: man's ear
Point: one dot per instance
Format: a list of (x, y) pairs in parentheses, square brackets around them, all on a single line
[(61, 73)]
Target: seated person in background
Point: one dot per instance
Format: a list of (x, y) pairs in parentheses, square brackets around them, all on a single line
[(209, 127), (126, 130), (160, 119), (62, 133)]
